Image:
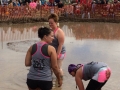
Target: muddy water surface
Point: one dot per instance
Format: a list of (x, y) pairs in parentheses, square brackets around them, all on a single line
[(84, 42)]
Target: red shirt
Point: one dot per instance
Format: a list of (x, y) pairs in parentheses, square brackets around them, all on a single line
[(86, 2), (83, 2), (51, 1)]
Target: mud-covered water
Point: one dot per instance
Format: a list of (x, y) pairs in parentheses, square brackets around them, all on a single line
[(84, 42)]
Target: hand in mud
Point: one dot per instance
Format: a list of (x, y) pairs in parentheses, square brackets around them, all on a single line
[(108, 73), (60, 83)]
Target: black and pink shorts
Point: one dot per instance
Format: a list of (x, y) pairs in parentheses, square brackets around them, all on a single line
[(43, 85)]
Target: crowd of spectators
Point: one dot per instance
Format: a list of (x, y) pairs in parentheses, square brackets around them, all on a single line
[(59, 3), (25, 2), (64, 7)]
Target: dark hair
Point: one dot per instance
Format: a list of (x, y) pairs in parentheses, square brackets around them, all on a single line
[(73, 67), (43, 31), (54, 17)]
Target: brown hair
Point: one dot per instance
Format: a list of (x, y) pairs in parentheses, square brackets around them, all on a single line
[(54, 17)]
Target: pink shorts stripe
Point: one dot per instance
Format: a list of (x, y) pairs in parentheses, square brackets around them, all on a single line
[(101, 75), (61, 56)]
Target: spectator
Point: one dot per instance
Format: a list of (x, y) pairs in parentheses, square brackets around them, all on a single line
[(43, 2), (57, 1), (51, 2), (60, 4), (33, 4), (27, 2), (38, 2), (16, 3), (69, 10), (4, 2)]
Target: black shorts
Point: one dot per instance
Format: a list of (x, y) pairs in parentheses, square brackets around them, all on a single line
[(43, 85)]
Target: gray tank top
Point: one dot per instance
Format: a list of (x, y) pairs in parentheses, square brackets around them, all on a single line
[(55, 44), (41, 66), (90, 69)]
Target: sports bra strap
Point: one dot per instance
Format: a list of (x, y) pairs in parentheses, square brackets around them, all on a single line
[(55, 30)]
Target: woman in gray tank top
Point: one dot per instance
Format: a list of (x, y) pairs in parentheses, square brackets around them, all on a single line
[(59, 38), (97, 72), (41, 59)]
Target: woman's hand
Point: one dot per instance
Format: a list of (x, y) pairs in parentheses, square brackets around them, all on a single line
[(54, 65), (60, 83)]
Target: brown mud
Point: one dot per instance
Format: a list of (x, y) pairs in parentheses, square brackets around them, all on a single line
[(84, 42)]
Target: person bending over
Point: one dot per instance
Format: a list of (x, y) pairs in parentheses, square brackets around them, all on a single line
[(97, 72)]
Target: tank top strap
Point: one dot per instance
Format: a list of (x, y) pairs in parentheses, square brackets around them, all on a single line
[(55, 30)]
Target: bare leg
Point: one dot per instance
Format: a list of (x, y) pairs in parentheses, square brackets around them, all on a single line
[(60, 66)]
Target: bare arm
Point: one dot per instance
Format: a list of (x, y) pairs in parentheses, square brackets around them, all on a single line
[(78, 79), (61, 39), (55, 68), (28, 57)]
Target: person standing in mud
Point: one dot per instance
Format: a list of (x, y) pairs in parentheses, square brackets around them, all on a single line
[(41, 57), (59, 38)]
